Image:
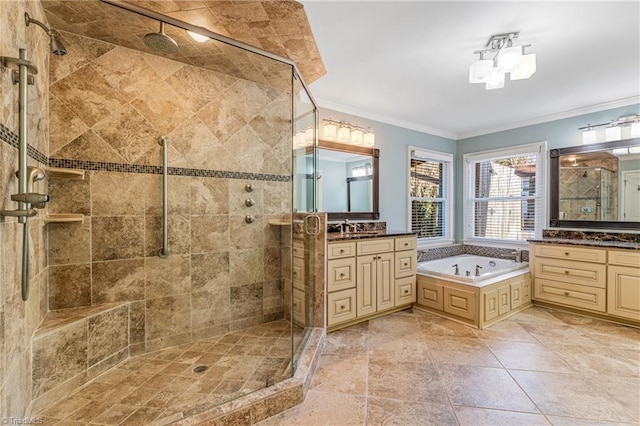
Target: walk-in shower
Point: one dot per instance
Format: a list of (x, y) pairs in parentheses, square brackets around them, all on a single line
[(225, 316)]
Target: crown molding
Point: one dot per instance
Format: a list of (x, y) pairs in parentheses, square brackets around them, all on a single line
[(385, 119), (631, 100)]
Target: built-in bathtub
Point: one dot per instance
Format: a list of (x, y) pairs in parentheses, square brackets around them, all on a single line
[(501, 288), (490, 269)]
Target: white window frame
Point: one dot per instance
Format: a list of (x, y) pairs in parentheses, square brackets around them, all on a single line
[(425, 154), (540, 148)]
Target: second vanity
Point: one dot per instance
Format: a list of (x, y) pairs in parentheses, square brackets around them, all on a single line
[(369, 274)]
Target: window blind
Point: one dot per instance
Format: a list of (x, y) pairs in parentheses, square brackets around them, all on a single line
[(429, 196), (505, 204)]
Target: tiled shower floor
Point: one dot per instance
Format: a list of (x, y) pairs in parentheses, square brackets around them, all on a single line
[(159, 384)]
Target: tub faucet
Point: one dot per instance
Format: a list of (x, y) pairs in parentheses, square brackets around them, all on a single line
[(457, 269), (478, 267), (518, 255)]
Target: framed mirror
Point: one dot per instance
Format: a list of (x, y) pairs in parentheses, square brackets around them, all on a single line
[(348, 181), (596, 186)]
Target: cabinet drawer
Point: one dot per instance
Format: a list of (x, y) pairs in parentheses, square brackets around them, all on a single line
[(405, 263), (341, 274), (405, 291), (430, 295), (624, 292), (340, 250), (567, 271), (299, 307), (571, 294), (341, 306), (375, 245), (461, 303), (624, 258), (298, 273), (406, 243), (298, 249), (571, 253)]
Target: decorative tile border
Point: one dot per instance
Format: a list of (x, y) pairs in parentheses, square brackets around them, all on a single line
[(7, 136), (458, 249)]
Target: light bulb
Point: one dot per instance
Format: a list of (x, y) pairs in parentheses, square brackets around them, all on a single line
[(480, 71), (496, 81), (369, 138), (525, 69), (356, 136), (613, 133), (344, 134), (330, 131), (509, 58), (589, 136)]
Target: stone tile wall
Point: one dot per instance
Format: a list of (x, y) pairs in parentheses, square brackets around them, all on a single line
[(19, 319), (109, 105)]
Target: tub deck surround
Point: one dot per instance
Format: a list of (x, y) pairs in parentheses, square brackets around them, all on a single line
[(489, 268), (478, 301)]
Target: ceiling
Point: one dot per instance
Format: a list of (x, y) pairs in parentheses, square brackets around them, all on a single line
[(407, 62)]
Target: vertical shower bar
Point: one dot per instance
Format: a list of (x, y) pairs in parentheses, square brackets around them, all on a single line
[(164, 250), (23, 74)]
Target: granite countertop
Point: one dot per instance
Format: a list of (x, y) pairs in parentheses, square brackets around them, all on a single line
[(335, 236), (591, 243)]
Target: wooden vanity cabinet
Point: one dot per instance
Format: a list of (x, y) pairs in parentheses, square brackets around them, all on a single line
[(368, 277), (599, 280)]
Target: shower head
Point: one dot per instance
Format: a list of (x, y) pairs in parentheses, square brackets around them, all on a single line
[(160, 41), (55, 45)]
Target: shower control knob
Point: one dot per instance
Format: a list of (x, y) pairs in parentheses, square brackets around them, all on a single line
[(249, 202), (249, 218), (248, 187)]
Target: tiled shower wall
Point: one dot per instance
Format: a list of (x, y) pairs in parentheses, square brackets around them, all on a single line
[(109, 105), (18, 319)]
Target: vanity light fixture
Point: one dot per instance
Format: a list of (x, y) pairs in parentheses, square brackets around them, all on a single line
[(504, 58), (613, 130), (344, 132)]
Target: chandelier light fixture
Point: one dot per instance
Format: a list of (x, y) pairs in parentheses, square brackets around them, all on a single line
[(613, 130), (500, 57), (341, 131)]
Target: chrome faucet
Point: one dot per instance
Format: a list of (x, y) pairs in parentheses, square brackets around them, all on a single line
[(518, 255), (478, 267), (347, 227), (457, 272)]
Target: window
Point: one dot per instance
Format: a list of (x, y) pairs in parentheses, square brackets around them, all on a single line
[(504, 194), (430, 181)]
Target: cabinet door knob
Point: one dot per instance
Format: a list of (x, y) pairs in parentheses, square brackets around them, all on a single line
[(342, 274), (341, 250), (406, 292), (566, 253), (342, 307), (566, 272), (405, 264), (406, 244), (566, 293)]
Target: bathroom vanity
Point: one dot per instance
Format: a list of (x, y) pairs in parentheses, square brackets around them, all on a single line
[(369, 274), (597, 277)]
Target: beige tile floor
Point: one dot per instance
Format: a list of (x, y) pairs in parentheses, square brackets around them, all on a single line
[(159, 384), (538, 367)]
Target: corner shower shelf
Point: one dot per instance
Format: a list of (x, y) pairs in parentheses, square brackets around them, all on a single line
[(63, 218), (59, 172)]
